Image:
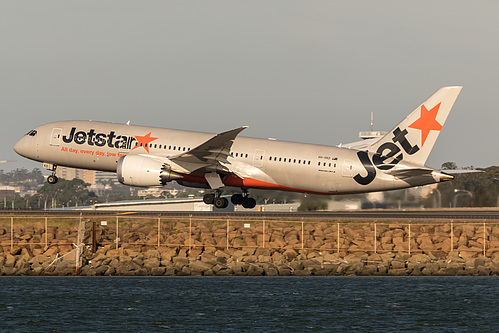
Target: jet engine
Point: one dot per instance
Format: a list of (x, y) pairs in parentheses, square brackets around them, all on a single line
[(145, 171)]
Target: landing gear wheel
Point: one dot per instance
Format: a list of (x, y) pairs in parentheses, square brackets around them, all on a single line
[(249, 202), (52, 179), (221, 202), (209, 198), (236, 199)]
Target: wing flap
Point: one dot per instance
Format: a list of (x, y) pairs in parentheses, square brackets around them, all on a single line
[(211, 155)]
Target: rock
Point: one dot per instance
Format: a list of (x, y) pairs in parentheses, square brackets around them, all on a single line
[(254, 270), (398, 264), (224, 272), (200, 265), (369, 270), (475, 262), (283, 271), (271, 271), (16, 250), (397, 272), (150, 263), (296, 265), (87, 271), (430, 269), (180, 262), (453, 268)]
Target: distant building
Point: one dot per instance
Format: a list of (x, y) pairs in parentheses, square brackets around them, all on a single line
[(7, 191), (88, 176)]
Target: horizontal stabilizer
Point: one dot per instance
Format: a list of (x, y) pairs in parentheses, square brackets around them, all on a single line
[(407, 173)]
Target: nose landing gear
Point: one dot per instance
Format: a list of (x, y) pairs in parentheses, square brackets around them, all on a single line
[(52, 179)]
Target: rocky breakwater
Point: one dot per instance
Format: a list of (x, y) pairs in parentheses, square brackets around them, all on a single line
[(280, 249)]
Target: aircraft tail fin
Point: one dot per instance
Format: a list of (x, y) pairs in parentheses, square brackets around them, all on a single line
[(413, 139)]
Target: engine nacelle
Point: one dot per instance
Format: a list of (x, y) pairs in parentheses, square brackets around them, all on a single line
[(144, 171)]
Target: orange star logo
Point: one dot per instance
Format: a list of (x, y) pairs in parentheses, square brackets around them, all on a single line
[(427, 122), (143, 141)]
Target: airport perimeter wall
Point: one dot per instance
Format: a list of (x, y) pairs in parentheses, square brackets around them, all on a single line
[(126, 245)]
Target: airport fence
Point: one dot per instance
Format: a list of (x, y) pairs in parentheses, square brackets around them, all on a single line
[(58, 235)]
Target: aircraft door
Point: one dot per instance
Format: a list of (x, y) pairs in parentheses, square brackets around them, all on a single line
[(347, 168), (55, 137), (258, 158)]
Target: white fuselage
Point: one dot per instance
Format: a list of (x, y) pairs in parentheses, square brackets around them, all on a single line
[(260, 163)]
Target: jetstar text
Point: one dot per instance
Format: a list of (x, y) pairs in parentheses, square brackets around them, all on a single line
[(99, 139)]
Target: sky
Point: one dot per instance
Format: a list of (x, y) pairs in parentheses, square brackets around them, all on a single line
[(305, 71)]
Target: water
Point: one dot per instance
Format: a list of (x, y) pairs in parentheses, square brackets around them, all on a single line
[(265, 304)]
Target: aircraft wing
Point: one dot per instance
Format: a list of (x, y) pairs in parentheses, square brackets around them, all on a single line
[(211, 155)]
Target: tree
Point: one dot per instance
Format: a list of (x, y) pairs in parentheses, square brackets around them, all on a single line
[(483, 188), (312, 204), (67, 192)]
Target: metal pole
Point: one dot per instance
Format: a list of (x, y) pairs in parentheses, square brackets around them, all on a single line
[(190, 231), (11, 233), (409, 237), (484, 238), (159, 228), (227, 233), (46, 233), (94, 237), (338, 239), (302, 233), (263, 235), (117, 238), (451, 236), (375, 237)]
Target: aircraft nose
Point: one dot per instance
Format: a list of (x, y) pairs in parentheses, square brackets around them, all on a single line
[(20, 147)]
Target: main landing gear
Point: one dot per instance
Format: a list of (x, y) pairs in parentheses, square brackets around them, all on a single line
[(215, 199), (52, 179), (237, 199)]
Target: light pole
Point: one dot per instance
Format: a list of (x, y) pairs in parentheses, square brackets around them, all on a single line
[(461, 192), (439, 197)]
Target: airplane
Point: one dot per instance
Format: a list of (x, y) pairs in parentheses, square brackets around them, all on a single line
[(151, 157)]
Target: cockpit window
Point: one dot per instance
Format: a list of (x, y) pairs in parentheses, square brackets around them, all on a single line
[(32, 133)]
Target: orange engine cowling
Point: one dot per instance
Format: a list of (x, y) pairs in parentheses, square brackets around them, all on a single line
[(144, 171)]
